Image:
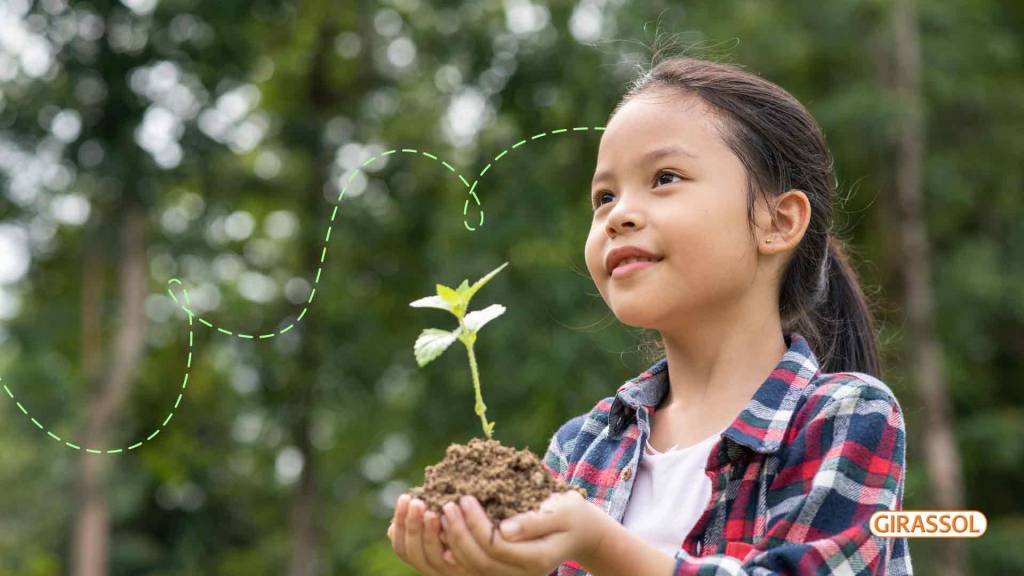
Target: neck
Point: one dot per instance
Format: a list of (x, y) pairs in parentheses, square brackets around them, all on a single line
[(716, 364)]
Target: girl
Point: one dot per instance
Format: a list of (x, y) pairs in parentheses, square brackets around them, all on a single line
[(742, 451)]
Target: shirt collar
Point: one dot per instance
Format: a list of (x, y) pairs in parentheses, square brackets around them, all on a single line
[(760, 425)]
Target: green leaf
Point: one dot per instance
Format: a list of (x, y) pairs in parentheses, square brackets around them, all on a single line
[(450, 296), (480, 283), (475, 320), (431, 343), (431, 302)]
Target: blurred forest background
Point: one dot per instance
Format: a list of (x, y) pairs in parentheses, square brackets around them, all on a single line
[(208, 141)]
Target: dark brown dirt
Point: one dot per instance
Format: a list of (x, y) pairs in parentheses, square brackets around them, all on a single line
[(506, 481)]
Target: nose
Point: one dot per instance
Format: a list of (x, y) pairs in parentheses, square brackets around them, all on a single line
[(623, 216)]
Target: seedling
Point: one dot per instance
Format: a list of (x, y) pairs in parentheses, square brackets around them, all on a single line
[(432, 342)]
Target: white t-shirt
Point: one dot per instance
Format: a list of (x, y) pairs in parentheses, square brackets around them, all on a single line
[(669, 494)]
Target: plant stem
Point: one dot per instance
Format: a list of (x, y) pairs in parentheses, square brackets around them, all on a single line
[(480, 408)]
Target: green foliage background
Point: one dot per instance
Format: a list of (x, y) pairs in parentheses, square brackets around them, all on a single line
[(317, 87)]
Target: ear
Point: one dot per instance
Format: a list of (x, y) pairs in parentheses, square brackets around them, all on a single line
[(783, 220)]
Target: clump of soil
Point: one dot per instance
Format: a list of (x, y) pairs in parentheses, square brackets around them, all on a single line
[(506, 481)]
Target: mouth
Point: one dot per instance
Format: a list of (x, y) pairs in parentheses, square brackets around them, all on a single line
[(629, 268)]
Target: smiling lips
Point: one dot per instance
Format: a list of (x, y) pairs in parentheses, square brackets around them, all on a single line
[(626, 259), (631, 265)]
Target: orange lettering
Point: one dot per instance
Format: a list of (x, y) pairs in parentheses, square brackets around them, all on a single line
[(877, 523), (901, 523)]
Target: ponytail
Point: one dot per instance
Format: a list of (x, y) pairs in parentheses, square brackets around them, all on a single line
[(837, 322)]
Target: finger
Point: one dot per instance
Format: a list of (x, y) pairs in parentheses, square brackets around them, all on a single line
[(531, 525), (432, 547), (523, 552), (485, 532), (414, 549), (398, 543), (535, 524), (465, 548), (479, 524)]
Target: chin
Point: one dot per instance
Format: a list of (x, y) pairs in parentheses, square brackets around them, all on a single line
[(638, 316)]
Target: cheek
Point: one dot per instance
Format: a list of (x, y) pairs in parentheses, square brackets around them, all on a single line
[(593, 255)]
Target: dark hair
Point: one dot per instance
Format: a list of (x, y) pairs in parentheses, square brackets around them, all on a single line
[(782, 148)]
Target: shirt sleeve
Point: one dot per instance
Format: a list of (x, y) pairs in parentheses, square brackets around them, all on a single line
[(556, 459), (845, 463)]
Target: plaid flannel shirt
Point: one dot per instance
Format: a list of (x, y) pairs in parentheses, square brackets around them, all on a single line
[(795, 477)]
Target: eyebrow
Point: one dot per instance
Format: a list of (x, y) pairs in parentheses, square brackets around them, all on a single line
[(648, 157)]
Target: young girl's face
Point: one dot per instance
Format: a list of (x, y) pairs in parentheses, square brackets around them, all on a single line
[(667, 183)]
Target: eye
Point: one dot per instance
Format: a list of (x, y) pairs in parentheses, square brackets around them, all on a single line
[(662, 174), (597, 198)]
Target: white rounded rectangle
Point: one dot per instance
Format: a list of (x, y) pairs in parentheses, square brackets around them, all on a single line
[(928, 523)]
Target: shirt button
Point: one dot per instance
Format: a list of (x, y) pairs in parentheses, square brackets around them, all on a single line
[(627, 473)]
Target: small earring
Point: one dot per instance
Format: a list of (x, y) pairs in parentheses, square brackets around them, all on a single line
[(768, 241)]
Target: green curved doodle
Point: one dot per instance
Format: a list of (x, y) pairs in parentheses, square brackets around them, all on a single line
[(186, 305)]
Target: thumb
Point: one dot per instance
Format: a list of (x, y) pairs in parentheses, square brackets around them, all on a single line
[(530, 526)]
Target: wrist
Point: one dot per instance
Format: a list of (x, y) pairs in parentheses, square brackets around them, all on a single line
[(603, 527), (619, 551)]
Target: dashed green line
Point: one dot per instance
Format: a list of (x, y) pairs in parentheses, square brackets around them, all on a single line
[(186, 307)]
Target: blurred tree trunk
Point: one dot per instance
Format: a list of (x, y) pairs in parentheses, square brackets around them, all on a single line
[(926, 361), (302, 517), (110, 390)]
